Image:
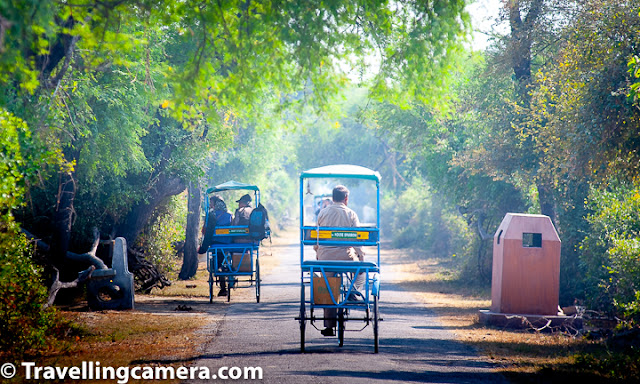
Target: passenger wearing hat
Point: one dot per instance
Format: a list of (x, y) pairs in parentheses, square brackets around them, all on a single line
[(241, 217)]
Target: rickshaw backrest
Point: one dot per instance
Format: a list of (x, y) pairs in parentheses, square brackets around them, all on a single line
[(338, 236)]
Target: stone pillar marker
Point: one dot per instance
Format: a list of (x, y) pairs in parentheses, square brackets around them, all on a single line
[(112, 288), (526, 266), (525, 283)]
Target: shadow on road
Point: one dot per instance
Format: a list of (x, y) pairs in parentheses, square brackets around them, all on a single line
[(405, 377)]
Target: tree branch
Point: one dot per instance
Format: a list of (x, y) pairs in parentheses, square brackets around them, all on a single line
[(480, 220), (58, 285), (532, 15), (65, 66), (88, 257), (39, 243)]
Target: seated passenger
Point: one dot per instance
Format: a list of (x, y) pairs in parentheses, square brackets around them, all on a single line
[(218, 216), (241, 217)]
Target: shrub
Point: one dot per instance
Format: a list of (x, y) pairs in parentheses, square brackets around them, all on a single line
[(166, 229), (611, 251), (421, 220), (23, 322)]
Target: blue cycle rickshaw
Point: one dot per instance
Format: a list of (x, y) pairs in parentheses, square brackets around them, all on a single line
[(328, 284), (240, 261)]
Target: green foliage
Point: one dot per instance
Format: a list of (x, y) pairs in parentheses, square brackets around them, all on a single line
[(611, 252), (587, 127), (571, 128), (418, 219), (622, 367), (303, 49), (634, 70), (277, 191), (261, 157), (449, 153), (165, 231), (32, 27), (97, 110), (11, 165), (23, 322), (343, 140), (24, 325)]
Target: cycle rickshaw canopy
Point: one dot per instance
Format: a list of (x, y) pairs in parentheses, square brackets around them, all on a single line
[(341, 171), (232, 186)]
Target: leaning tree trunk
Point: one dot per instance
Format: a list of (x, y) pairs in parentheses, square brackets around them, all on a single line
[(139, 215), (146, 274), (190, 259)]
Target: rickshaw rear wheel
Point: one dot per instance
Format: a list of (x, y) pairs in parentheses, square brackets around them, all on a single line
[(341, 324), (257, 281), (375, 323), (303, 323)]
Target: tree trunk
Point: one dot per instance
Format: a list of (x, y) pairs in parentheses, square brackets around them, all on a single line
[(139, 215), (190, 259), (547, 200), (521, 39), (63, 219)]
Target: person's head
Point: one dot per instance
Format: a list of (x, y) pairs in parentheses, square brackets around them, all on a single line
[(340, 194), (244, 201), (215, 201), (220, 205)]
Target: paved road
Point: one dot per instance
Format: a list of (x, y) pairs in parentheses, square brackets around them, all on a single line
[(414, 347)]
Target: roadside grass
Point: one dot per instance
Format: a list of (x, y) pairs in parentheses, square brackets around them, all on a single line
[(522, 356), (155, 334), (121, 339), (198, 286)]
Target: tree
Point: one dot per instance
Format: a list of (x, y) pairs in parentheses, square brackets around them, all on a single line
[(129, 96), (190, 259), (586, 125), (23, 321), (587, 122)]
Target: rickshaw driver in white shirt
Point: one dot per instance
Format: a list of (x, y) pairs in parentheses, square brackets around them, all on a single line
[(339, 215)]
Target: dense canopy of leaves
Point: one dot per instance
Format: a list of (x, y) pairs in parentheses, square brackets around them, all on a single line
[(548, 113), (121, 104)]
